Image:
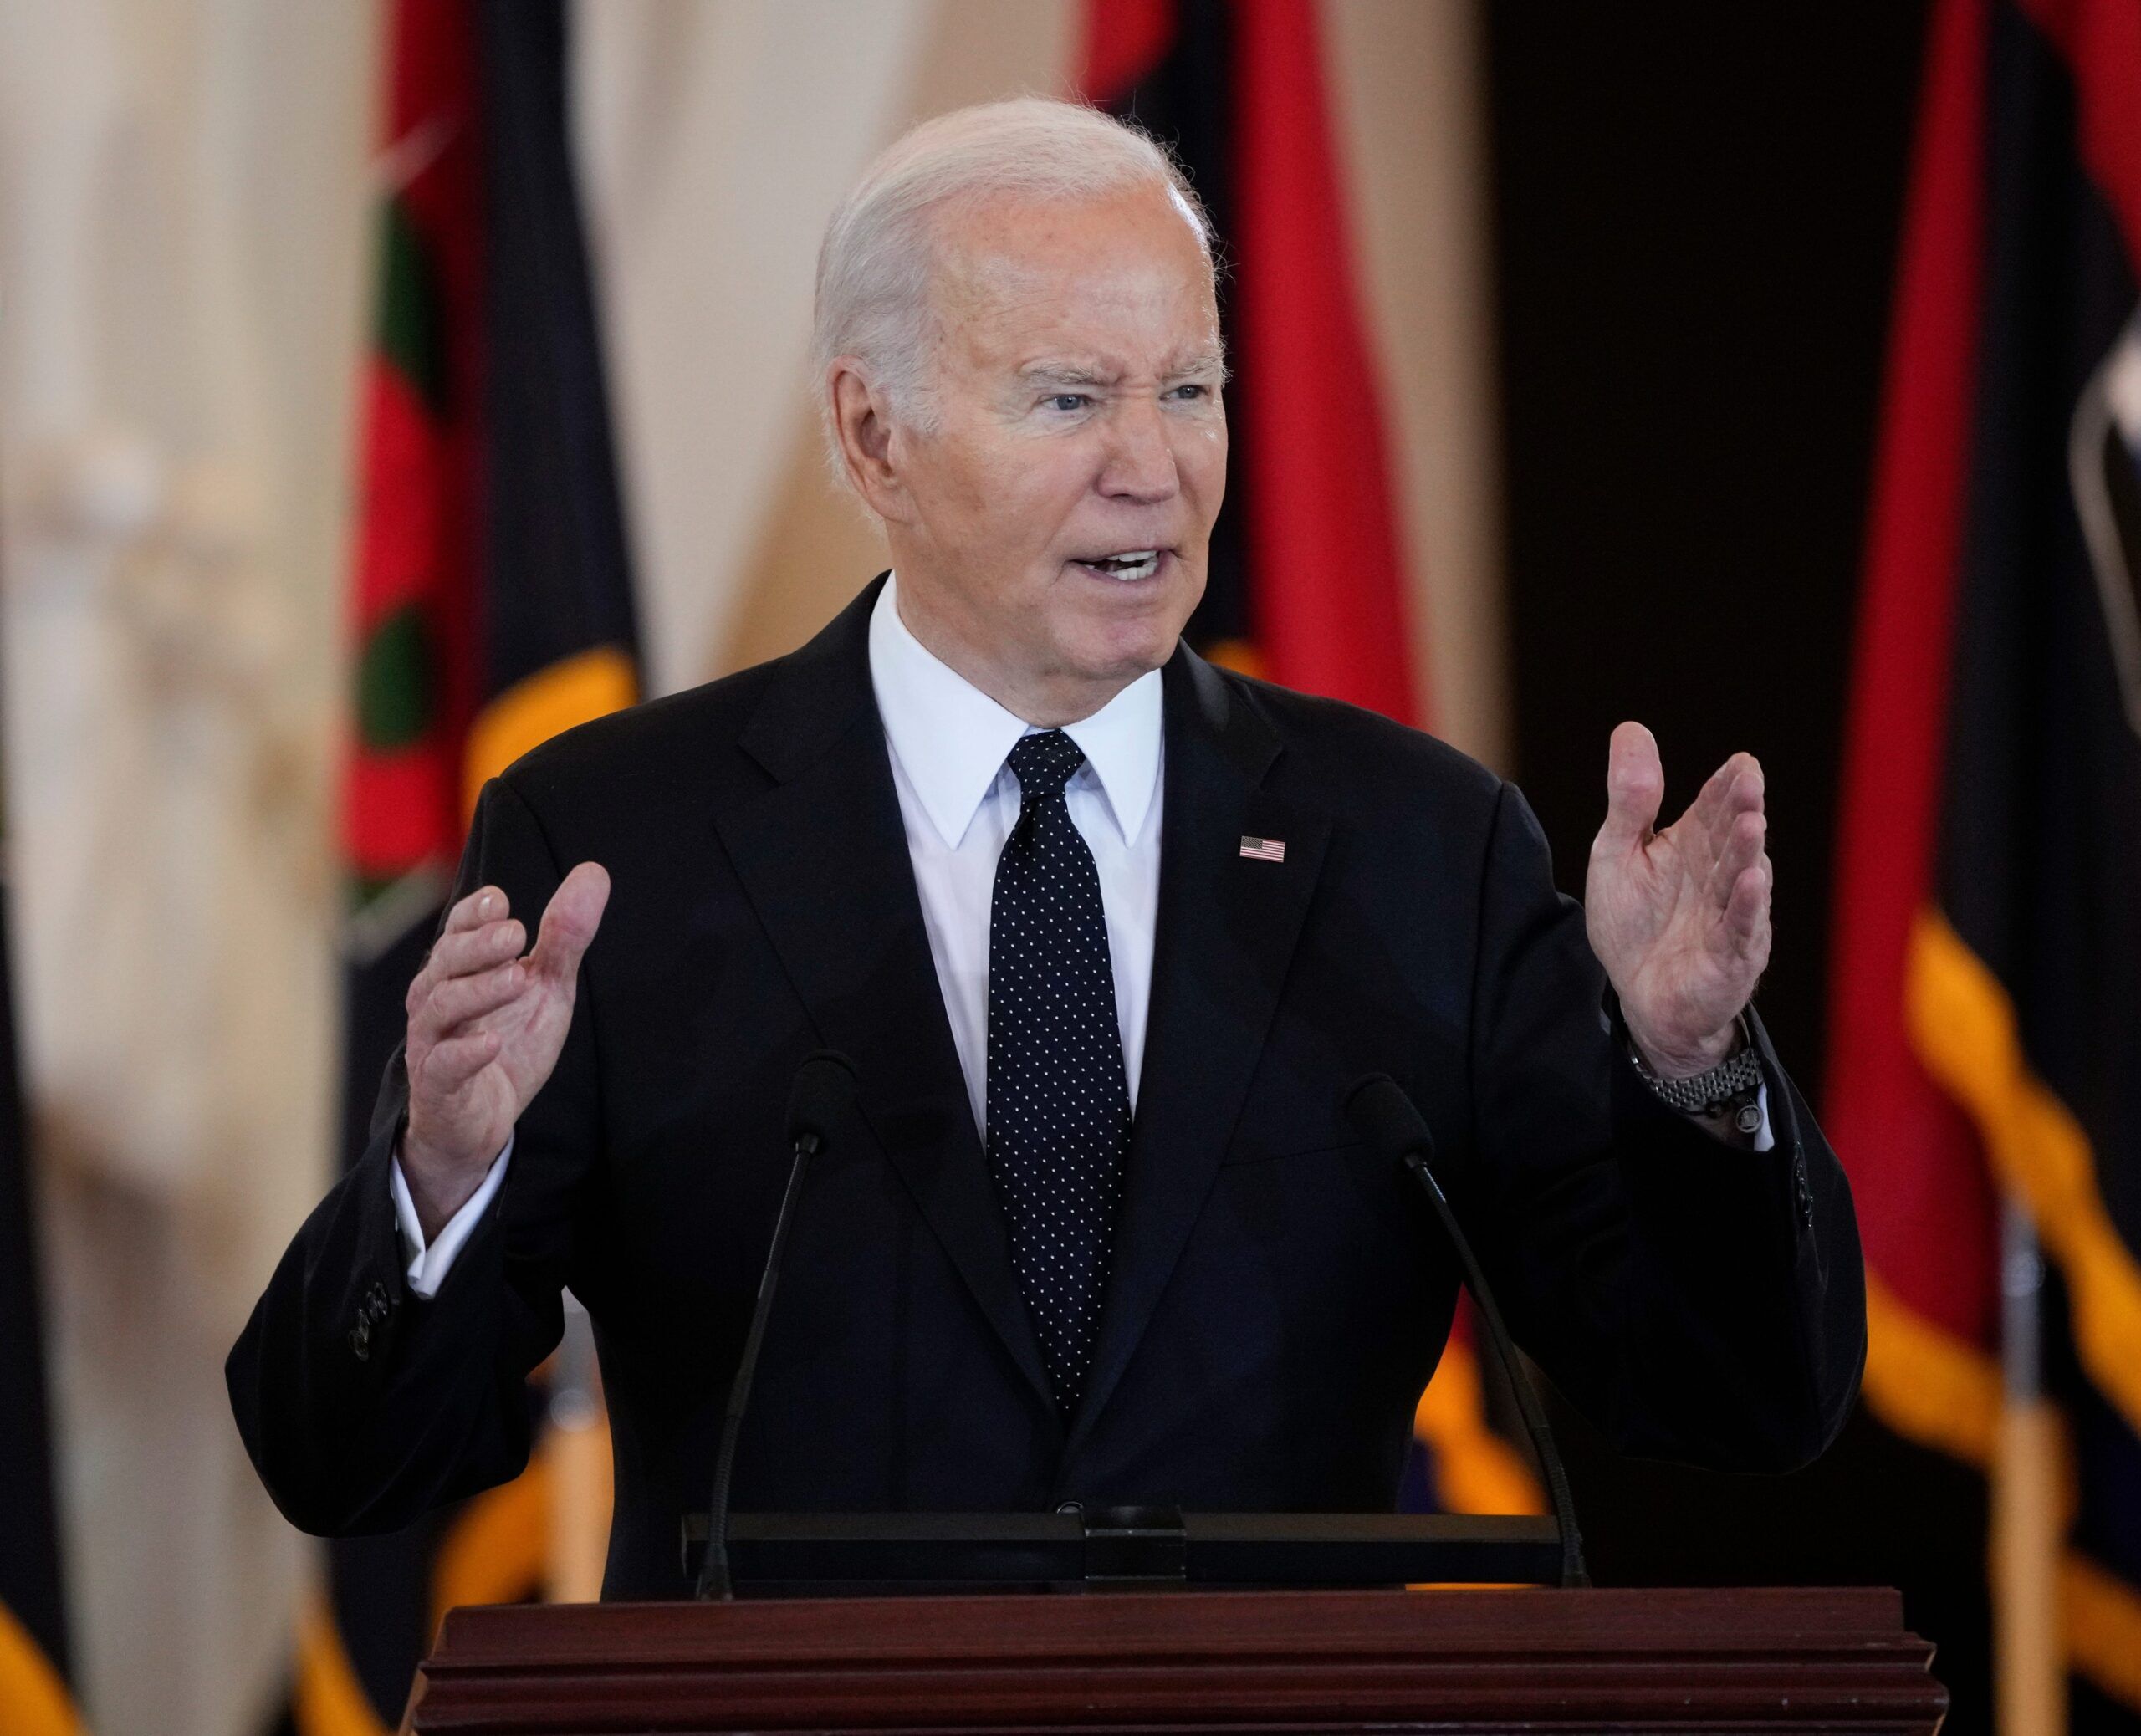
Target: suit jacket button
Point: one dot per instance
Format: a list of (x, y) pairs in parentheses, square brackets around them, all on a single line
[(361, 1339)]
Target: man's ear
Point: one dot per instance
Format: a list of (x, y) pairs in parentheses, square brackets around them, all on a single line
[(862, 424)]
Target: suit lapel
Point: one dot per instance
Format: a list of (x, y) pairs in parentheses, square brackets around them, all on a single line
[(1227, 926), (823, 857)]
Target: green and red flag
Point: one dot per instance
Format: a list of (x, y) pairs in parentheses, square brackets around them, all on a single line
[(492, 608), (1987, 967)]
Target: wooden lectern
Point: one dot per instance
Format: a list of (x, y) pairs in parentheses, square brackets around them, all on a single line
[(1178, 1660)]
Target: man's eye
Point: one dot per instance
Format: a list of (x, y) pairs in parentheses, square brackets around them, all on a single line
[(1067, 401), (1192, 389)]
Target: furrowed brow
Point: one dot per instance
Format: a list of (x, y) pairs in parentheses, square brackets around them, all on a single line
[(1205, 364), (1060, 373)]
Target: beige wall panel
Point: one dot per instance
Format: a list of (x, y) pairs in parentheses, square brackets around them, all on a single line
[(817, 547), (715, 137), (184, 230)]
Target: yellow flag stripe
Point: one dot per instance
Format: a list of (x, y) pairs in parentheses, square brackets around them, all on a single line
[(499, 1551), (1476, 1470), (1933, 1388), (574, 690), (496, 1553), (1925, 1383), (2102, 1615), (1963, 1027), (33, 1701), (1944, 1392), (328, 1699), (1239, 655)]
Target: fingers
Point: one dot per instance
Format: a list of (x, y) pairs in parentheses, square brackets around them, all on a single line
[(452, 1064), (477, 949), (462, 952), (1747, 914), (478, 934), (1749, 788), (458, 999), (484, 905), (1635, 784), (1741, 883), (569, 924), (1734, 787), (1740, 850), (476, 967), (445, 1008)]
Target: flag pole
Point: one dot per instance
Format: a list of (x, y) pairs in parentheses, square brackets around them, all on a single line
[(2029, 1669)]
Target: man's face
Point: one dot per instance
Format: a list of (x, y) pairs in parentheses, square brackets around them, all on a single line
[(1058, 515)]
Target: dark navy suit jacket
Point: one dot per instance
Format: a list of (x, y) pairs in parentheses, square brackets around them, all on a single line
[(1280, 1294)]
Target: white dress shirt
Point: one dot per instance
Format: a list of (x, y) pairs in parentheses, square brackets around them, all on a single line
[(958, 802)]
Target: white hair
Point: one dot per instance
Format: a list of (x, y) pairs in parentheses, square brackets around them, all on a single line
[(875, 262)]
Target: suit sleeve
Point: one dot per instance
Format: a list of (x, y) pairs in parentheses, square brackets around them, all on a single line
[(363, 1404), (1698, 1300)]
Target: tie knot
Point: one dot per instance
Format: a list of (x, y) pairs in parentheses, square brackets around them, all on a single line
[(1043, 764)]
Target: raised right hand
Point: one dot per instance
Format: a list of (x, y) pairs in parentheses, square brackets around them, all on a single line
[(485, 1027)]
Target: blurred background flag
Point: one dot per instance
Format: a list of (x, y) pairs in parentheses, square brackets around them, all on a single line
[(491, 609), (1986, 1056), (1306, 585), (34, 1700)]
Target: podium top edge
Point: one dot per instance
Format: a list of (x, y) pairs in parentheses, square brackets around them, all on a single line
[(1860, 1622), (1197, 1527)]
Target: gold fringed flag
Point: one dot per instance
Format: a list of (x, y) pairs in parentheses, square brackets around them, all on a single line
[(1985, 1042), (492, 608)]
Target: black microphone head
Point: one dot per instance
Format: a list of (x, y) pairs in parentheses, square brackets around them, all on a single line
[(823, 1089), (1378, 1107)]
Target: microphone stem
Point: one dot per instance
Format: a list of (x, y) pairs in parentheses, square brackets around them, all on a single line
[(714, 1582), (1527, 1401)]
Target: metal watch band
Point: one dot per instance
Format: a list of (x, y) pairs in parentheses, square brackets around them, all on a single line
[(1739, 1075)]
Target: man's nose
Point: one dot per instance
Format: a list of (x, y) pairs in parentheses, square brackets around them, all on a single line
[(1141, 458)]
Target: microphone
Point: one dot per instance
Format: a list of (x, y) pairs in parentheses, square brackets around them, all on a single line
[(824, 1087), (1379, 1108)]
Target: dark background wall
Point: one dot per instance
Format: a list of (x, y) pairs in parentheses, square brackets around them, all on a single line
[(1697, 209)]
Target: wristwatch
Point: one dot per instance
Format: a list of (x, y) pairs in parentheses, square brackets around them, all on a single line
[(1731, 1088)]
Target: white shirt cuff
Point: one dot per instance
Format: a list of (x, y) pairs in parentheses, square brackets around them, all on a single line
[(428, 1264)]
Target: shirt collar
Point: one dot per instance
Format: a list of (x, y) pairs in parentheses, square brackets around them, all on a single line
[(951, 738)]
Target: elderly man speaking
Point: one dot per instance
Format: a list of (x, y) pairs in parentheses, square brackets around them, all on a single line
[(1107, 932)]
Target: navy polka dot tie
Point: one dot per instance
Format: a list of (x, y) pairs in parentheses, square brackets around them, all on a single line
[(1058, 1105)]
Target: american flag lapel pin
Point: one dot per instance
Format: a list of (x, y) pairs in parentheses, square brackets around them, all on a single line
[(1263, 849)]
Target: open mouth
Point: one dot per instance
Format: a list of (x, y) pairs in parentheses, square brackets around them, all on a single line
[(1128, 565)]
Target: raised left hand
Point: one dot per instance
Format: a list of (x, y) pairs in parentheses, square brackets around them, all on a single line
[(1680, 918)]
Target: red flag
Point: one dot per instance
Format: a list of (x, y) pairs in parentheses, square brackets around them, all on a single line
[(1308, 582)]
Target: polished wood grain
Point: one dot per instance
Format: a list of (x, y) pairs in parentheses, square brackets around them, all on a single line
[(1539, 1661)]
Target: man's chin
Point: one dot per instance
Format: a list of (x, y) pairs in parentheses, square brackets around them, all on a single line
[(1117, 659)]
